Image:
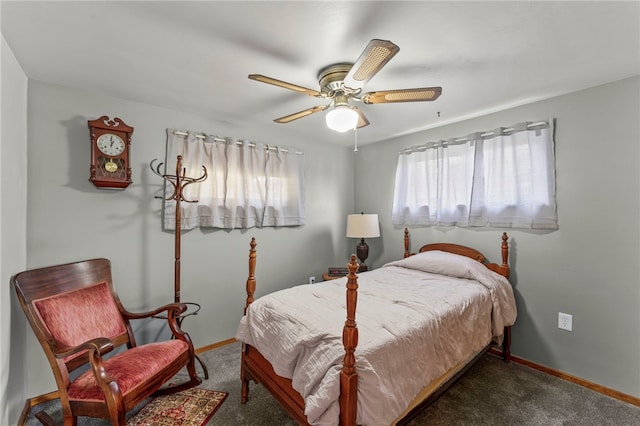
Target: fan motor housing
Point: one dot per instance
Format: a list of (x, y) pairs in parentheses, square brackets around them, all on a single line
[(331, 77)]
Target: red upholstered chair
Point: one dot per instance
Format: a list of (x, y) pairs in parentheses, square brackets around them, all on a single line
[(78, 319)]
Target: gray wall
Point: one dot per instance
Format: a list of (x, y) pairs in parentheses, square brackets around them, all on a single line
[(589, 268), (69, 219), (13, 256)]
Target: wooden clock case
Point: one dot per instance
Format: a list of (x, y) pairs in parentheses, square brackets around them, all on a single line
[(110, 171)]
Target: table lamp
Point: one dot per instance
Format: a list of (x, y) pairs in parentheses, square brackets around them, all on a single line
[(362, 226)]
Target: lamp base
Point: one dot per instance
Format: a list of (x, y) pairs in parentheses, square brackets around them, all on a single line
[(362, 251)]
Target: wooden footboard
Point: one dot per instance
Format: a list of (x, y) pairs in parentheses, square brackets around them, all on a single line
[(255, 367)]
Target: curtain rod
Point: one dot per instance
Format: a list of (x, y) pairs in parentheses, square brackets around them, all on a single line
[(220, 139), (200, 136), (541, 124), (507, 130)]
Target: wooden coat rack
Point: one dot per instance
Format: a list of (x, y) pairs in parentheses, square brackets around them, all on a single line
[(179, 181)]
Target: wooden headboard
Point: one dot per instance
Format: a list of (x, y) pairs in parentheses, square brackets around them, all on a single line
[(465, 251)]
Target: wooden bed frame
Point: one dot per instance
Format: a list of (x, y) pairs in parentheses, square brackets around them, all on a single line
[(255, 367)]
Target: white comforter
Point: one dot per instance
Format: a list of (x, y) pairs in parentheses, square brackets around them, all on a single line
[(417, 318)]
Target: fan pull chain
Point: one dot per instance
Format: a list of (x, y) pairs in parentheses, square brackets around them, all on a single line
[(355, 137)]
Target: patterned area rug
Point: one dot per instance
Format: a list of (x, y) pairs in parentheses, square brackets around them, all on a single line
[(191, 407)]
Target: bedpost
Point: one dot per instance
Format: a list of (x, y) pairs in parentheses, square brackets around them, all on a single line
[(506, 340), (348, 375), (504, 268), (251, 281), (406, 243), (251, 288), (506, 344), (505, 250)]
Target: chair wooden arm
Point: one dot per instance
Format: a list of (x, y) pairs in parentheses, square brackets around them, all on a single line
[(174, 320), (101, 345), (172, 309), (109, 387), (96, 348)]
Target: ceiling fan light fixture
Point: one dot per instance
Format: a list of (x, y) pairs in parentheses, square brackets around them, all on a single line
[(342, 118), (342, 82)]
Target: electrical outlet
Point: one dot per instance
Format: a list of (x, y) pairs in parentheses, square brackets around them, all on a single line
[(312, 280), (565, 321)]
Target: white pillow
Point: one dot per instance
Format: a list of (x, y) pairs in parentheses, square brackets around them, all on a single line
[(443, 263)]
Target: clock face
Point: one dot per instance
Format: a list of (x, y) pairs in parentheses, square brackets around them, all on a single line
[(110, 144)]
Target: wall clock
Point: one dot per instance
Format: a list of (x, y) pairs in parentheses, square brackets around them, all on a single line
[(110, 146)]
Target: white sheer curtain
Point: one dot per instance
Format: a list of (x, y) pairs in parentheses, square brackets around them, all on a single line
[(503, 178), (249, 184), (434, 185)]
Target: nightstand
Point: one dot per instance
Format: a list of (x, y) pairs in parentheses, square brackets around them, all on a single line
[(327, 277)]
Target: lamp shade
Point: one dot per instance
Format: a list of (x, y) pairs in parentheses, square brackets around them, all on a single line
[(363, 226), (342, 118)]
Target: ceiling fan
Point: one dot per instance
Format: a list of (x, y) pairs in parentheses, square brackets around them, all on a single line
[(343, 82)]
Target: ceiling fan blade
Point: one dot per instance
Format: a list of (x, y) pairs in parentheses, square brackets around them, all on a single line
[(362, 120), (402, 95), (284, 84), (371, 60), (300, 114)]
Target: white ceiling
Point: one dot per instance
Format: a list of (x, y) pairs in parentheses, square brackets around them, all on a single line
[(195, 56)]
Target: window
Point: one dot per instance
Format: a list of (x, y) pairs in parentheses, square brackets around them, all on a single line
[(248, 185), (503, 178)]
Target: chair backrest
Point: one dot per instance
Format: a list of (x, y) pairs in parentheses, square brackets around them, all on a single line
[(70, 304)]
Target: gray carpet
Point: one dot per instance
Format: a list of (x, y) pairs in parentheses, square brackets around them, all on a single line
[(491, 393)]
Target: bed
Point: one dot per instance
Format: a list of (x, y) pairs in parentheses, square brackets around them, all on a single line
[(423, 321)]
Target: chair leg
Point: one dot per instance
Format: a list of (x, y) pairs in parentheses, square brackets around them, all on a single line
[(205, 370), (118, 418), (45, 418), (191, 368), (70, 421), (194, 380), (30, 403)]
